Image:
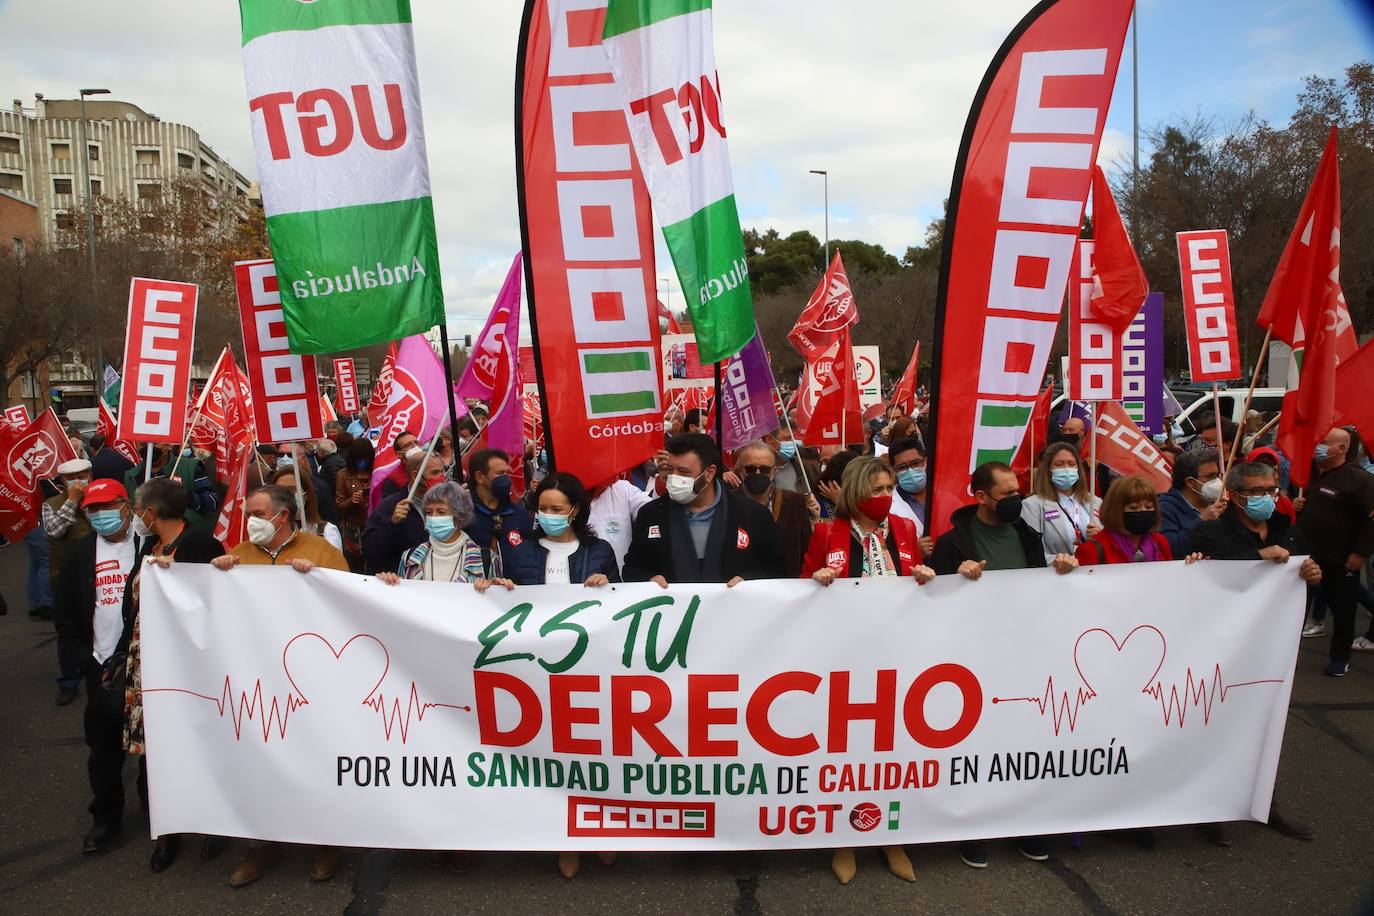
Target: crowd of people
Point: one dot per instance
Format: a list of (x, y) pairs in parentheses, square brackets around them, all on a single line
[(774, 509)]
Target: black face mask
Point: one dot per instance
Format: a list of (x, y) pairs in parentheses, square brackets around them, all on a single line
[(757, 484), (1008, 509), (1139, 523)]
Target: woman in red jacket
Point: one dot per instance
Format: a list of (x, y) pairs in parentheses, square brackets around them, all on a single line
[(1130, 527), (864, 540)]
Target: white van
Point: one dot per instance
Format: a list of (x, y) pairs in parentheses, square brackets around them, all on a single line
[(1266, 400)]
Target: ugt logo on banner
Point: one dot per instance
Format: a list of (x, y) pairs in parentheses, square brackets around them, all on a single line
[(157, 360)]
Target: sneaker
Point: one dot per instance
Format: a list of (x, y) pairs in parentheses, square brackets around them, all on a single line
[(974, 853), (1315, 628), (1362, 644), (1337, 669), (1035, 848), (66, 695)]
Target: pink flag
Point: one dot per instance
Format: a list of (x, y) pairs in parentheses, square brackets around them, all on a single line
[(418, 404), (493, 372)]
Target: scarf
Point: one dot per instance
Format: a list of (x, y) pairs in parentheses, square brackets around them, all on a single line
[(1147, 552), (877, 561)]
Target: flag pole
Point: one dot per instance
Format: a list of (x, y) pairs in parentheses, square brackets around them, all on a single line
[(1092, 452), (452, 404), (429, 453), (300, 488), (1249, 395), (787, 421), (1221, 441), (720, 414)]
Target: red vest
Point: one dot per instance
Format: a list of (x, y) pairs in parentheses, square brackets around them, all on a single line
[(832, 544)]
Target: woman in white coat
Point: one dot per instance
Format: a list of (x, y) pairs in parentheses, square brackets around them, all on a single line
[(1060, 506)]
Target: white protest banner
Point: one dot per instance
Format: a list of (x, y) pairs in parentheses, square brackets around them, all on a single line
[(160, 333), (286, 390), (329, 708)]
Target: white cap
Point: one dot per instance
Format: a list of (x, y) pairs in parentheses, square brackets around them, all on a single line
[(75, 466)]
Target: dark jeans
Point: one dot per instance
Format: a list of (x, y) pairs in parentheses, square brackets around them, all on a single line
[(38, 582), (104, 725), (1363, 595), (1339, 589)]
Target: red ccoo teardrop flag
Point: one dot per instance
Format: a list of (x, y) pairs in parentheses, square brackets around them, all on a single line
[(1119, 284)]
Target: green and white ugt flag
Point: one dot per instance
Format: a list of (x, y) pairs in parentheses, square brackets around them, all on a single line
[(335, 107), (665, 68)]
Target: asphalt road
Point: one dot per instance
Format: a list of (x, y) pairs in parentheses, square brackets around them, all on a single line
[(1326, 779)]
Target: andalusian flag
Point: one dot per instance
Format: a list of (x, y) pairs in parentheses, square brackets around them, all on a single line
[(335, 108), (665, 68)]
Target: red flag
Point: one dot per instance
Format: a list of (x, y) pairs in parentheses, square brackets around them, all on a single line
[(223, 418), (1119, 284), (1307, 289), (1034, 439), (327, 413), (829, 313), (108, 429), (1303, 269), (905, 393), (1122, 447), (1354, 381), (29, 456), (381, 389), (673, 326), (836, 418), (230, 525)]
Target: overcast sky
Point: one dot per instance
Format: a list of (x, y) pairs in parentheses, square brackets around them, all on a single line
[(875, 91)]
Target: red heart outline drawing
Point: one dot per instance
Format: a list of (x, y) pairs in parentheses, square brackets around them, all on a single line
[(1120, 645), (337, 653)]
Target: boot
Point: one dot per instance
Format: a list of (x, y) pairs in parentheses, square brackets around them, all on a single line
[(569, 864), (254, 864), (324, 863), (842, 864), (898, 863)]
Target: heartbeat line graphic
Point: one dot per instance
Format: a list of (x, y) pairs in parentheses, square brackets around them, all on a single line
[(1064, 705), (1197, 694), (273, 714), (394, 719)]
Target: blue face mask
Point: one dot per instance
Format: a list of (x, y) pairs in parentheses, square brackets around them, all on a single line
[(1064, 478), (1259, 508), (106, 522), (787, 449), (500, 486), (553, 525), (284, 461), (440, 527), (1321, 452), (912, 480)]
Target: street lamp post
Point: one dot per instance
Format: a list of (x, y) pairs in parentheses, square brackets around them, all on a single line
[(97, 374), (825, 175)]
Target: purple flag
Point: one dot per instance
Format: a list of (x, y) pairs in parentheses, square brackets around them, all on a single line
[(747, 396), (1142, 366), (493, 371)]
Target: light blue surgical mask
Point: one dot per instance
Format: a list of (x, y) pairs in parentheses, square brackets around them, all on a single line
[(1259, 508), (787, 449), (1064, 478), (912, 480), (1321, 452), (106, 522), (553, 525), (440, 527), (284, 461)]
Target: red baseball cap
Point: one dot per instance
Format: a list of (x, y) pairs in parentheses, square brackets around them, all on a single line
[(103, 491), (1264, 452)]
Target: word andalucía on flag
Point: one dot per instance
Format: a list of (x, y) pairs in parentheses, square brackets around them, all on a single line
[(1305, 308), (334, 102), (664, 62), (493, 371), (588, 239), (1020, 186)]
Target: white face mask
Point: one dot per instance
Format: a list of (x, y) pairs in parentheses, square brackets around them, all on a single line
[(681, 488), (140, 529), (260, 531), (1211, 490)]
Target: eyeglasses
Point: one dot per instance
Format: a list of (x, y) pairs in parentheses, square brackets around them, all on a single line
[(1259, 491), (909, 465), (755, 470)]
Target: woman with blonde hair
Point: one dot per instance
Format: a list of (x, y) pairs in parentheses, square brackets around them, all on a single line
[(1060, 508), (863, 540)]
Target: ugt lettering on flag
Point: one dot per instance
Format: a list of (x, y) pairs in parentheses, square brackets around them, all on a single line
[(664, 64), (334, 103)]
